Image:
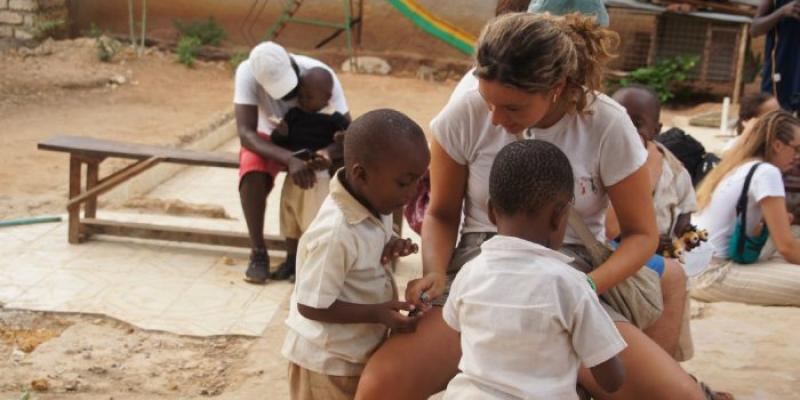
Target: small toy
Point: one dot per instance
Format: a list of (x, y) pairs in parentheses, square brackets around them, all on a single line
[(675, 251)]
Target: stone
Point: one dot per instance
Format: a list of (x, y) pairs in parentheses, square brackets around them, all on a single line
[(28, 19), (6, 32), (3, 4), (367, 65), (45, 4), (22, 34), (23, 5), (40, 385), (10, 17)]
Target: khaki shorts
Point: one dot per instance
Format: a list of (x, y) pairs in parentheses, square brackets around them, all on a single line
[(299, 206), (305, 384)]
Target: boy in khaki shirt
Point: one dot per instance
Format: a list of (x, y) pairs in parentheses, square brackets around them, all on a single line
[(345, 298)]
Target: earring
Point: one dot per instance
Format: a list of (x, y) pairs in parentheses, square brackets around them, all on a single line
[(555, 98)]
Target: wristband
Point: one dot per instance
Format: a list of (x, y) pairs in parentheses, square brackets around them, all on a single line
[(591, 283)]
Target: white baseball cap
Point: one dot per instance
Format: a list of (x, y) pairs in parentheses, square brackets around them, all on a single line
[(272, 68)]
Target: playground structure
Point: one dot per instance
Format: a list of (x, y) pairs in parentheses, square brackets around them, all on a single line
[(419, 15)]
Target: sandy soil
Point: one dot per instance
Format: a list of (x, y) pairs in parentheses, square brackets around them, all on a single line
[(746, 350), (63, 89)]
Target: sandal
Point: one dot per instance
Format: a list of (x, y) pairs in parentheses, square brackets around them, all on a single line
[(710, 394)]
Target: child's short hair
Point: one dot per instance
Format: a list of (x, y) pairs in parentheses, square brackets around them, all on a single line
[(528, 174), (373, 134)]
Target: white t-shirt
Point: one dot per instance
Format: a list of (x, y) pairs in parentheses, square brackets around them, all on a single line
[(248, 91), (719, 216), (602, 146), (527, 322)]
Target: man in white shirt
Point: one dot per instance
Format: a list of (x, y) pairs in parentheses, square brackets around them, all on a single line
[(266, 88)]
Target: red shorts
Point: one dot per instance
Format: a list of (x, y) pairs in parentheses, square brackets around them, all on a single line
[(252, 162)]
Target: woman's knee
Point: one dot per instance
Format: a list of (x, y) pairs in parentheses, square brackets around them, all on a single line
[(674, 278)]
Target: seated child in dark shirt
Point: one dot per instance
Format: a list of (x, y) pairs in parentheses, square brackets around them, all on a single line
[(308, 129)]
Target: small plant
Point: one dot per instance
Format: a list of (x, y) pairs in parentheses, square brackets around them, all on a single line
[(208, 31), (664, 77), (49, 28), (237, 58), (188, 49), (107, 47)]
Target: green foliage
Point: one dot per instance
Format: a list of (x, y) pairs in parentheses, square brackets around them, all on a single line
[(107, 47), (49, 28), (26, 396), (188, 49), (208, 31), (664, 77), (237, 58)]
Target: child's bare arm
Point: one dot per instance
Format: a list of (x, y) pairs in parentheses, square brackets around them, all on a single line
[(609, 374), (341, 312), (682, 224)]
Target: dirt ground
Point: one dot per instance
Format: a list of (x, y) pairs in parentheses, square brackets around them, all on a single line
[(62, 88)]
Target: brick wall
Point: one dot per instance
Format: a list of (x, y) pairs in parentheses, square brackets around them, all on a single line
[(19, 19)]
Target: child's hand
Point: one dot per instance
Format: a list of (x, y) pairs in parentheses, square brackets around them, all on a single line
[(302, 175), (281, 128), (397, 248), (389, 315), (321, 160)]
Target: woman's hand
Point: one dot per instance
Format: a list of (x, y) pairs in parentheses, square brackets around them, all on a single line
[(421, 291)]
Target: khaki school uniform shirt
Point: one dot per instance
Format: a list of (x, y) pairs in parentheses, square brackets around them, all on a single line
[(339, 259)]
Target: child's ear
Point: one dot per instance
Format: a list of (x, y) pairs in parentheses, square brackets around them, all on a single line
[(358, 173), (658, 130), (559, 215), (492, 216)]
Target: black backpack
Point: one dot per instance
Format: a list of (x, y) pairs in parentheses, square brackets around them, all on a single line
[(691, 153)]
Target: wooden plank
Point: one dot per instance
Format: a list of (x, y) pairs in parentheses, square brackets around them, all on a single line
[(744, 36), (177, 234), (92, 147), (92, 176), (108, 184), (73, 229)]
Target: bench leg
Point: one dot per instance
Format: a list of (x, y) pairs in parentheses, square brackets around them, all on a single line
[(74, 190), (92, 177)]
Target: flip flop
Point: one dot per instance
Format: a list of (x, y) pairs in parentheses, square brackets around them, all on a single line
[(710, 394)]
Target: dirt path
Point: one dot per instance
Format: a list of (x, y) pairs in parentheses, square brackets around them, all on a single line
[(67, 91), (64, 89)]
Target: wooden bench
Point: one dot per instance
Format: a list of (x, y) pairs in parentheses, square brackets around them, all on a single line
[(92, 152)]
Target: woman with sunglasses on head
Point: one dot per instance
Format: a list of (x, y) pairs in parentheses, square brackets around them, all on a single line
[(738, 232)]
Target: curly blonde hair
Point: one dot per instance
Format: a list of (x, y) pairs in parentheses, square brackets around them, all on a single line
[(536, 52)]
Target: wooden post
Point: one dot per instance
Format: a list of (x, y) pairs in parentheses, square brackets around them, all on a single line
[(92, 176), (73, 235), (744, 38)]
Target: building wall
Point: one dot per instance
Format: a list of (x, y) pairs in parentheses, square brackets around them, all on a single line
[(247, 21), (636, 30), (19, 19)]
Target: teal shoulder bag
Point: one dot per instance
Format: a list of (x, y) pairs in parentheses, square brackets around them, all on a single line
[(745, 249)]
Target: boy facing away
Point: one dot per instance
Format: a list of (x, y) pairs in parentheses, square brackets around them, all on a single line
[(345, 298), (308, 130), (527, 319)]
